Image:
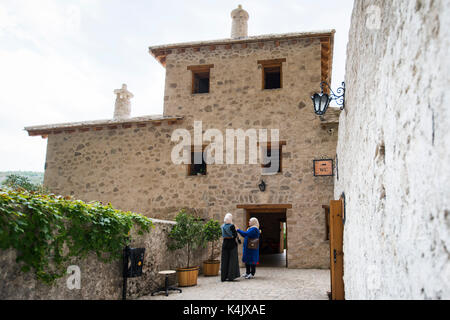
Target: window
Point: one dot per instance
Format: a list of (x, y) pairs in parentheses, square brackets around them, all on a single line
[(272, 158), (272, 75), (201, 82), (197, 167), (272, 78), (200, 78)]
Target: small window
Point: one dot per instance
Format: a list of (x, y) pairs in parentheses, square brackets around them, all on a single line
[(201, 82), (197, 167), (200, 78), (272, 78), (272, 75), (272, 158)]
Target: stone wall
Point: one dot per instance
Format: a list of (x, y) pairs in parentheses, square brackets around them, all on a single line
[(394, 152), (132, 167), (99, 280)]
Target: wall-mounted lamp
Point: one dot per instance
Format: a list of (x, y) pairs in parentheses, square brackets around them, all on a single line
[(322, 100)]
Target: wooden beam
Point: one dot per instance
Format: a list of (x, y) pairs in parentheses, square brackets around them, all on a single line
[(271, 62), (270, 210), (263, 206), (201, 67)]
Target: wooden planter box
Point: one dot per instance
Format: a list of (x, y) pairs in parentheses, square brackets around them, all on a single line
[(187, 277), (211, 267)]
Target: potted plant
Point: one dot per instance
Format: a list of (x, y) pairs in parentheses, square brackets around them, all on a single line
[(211, 233), (187, 233)]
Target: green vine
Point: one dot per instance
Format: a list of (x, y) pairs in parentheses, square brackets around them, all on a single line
[(47, 231)]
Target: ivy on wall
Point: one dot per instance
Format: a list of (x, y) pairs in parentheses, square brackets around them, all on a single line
[(47, 231)]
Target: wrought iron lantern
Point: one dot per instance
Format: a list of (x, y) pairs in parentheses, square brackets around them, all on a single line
[(262, 186), (322, 100)]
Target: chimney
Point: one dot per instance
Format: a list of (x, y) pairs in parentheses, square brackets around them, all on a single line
[(239, 27), (122, 109)]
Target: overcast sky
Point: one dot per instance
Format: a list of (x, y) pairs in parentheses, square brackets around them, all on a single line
[(60, 60)]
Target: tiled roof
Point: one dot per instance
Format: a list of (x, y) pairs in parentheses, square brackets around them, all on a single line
[(96, 125)]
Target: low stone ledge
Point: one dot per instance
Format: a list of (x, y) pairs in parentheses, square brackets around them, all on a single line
[(98, 280)]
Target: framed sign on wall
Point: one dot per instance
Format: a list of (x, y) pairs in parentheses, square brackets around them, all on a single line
[(323, 168)]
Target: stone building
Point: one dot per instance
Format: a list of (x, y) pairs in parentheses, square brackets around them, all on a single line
[(243, 82)]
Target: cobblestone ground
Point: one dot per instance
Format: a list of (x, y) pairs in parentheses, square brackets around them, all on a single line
[(268, 284)]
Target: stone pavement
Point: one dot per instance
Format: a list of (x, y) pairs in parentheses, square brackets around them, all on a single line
[(268, 284)]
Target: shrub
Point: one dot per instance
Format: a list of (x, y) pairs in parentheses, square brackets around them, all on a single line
[(212, 232), (187, 233), (47, 230)]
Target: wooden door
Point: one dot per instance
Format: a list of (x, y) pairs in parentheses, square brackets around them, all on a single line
[(336, 249)]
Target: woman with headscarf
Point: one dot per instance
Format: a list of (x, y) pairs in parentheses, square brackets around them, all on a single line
[(251, 248), (229, 269)]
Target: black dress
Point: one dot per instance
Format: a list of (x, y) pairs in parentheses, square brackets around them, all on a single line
[(229, 269)]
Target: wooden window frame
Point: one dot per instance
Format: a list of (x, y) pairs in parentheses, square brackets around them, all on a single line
[(272, 63), (189, 166), (197, 69)]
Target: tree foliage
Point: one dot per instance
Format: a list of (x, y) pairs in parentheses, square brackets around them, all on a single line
[(17, 181), (187, 233), (47, 230), (212, 232), (34, 177)]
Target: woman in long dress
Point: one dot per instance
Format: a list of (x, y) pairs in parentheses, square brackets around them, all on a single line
[(229, 265), (250, 256)]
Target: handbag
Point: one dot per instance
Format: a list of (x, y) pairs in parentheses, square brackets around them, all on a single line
[(252, 243)]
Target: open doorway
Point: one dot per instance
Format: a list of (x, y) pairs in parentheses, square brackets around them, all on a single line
[(273, 241)]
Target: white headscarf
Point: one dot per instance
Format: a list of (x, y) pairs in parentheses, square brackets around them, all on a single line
[(253, 223), (228, 218)]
